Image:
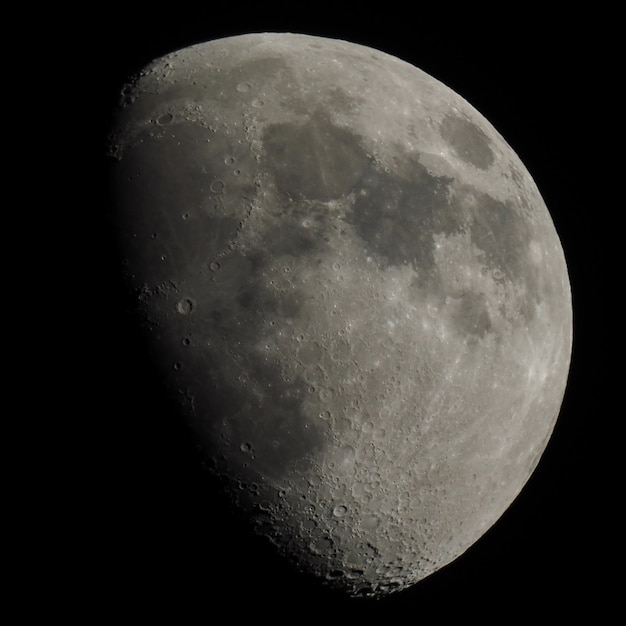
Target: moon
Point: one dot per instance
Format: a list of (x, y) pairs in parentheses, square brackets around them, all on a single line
[(354, 290)]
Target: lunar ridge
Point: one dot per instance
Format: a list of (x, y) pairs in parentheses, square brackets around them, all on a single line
[(353, 286)]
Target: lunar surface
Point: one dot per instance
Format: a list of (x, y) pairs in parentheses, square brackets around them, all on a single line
[(354, 289)]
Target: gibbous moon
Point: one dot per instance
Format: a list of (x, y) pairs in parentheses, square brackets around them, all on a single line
[(352, 285)]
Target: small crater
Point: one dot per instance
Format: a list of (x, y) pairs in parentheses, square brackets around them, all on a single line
[(325, 394), (165, 119), (341, 510), (214, 266), (184, 306), (497, 274), (321, 545), (310, 353), (217, 186)]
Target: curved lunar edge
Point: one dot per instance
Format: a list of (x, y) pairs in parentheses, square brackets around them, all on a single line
[(355, 289)]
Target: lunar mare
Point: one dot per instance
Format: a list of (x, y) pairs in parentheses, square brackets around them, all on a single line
[(355, 290)]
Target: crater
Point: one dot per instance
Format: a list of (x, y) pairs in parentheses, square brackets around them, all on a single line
[(468, 141)]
